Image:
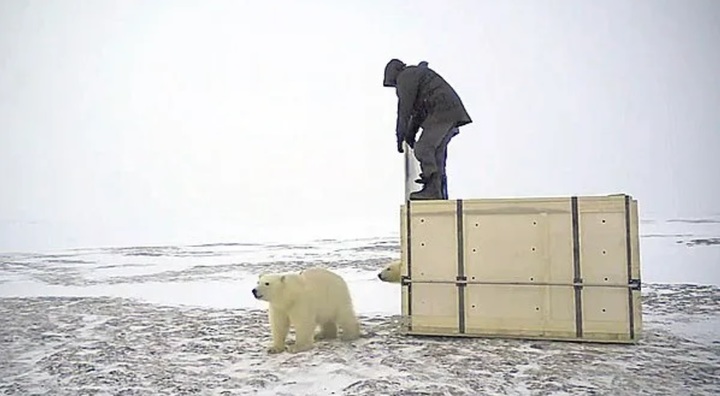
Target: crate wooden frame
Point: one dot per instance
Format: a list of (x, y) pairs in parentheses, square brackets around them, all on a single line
[(467, 269)]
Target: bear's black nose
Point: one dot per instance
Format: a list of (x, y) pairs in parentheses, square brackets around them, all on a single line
[(254, 291), (379, 276)]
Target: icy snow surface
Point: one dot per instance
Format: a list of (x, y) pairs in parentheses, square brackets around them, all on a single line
[(181, 320)]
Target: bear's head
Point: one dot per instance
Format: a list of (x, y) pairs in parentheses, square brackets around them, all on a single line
[(391, 273), (268, 286)]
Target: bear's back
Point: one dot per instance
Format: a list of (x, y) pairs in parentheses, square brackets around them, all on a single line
[(328, 290)]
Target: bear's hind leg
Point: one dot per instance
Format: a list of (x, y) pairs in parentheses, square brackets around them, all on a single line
[(279, 325), (350, 327), (328, 330)]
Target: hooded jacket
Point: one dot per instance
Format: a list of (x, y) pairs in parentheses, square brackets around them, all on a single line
[(424, 98)]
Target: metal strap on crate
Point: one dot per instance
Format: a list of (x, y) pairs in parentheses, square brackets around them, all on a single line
[(406, 280), (631, 282), (461, 278), (577, 279), (462, 281)]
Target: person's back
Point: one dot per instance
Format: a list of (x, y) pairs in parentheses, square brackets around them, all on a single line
[(426, 100), (434, 97)]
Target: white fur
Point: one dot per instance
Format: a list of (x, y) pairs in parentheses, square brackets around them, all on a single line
[(391, 273), (314, 297)]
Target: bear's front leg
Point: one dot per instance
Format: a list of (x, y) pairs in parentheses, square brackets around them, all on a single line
[(304, 326), (279, 325)]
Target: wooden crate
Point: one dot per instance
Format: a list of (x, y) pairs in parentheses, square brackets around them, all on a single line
[(536, 268)]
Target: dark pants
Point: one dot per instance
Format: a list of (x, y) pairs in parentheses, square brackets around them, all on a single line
[(431, 152)]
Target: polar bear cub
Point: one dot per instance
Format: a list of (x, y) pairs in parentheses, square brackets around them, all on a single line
[(314, 297), (391, 273)]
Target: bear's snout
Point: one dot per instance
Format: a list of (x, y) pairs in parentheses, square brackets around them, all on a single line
[(255, 292), (380, 276)]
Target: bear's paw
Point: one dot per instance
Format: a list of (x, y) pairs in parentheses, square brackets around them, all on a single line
[(275, 349)]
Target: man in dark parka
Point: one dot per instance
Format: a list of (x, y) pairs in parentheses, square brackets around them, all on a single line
[(426, 100)]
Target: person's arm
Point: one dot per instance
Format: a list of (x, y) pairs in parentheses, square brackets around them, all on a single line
[(406, 89)]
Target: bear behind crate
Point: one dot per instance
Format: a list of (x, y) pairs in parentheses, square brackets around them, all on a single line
[(391, 272), (314, 297)]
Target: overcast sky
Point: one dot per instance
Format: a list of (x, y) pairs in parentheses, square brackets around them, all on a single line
[(142, 122)]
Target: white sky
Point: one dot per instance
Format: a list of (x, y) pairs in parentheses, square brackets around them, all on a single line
[(197, 121)]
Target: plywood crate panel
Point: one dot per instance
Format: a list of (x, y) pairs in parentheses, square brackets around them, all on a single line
[(550, 268)]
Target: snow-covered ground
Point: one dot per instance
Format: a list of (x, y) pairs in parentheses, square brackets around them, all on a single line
[(181, 320)]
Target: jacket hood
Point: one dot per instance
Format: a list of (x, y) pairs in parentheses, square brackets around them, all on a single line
[(392, 69)]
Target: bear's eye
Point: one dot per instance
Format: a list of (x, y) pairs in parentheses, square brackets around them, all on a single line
[(267, 283)]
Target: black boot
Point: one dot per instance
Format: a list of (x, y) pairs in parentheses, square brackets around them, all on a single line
[(443, 185), (431, 190), (421, 179)]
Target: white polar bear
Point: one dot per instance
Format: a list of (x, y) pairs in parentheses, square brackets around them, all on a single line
[(391, 273), (314, 297)]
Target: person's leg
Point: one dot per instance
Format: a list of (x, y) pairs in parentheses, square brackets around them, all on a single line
[(441, 160), (426, 153)]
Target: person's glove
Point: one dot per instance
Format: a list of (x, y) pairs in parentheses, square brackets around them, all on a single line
[(410, 135), (410, 139), (400, 140), (406, 133)]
